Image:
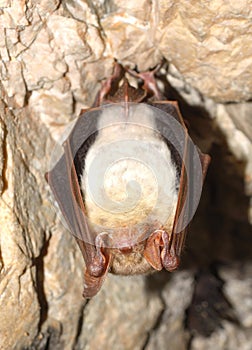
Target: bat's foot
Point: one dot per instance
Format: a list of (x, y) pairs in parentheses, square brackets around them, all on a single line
[(149, 81), (107, 85)]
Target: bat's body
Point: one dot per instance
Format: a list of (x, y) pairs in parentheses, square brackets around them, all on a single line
[(124, 188), (121, 183)]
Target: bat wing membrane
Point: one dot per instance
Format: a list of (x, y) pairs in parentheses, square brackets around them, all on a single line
[(64, 184)]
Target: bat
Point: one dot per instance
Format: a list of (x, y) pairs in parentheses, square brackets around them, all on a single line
[(129, 180)]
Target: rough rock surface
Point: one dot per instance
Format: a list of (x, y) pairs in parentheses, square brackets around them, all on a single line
[(208, 42), (53, 55)]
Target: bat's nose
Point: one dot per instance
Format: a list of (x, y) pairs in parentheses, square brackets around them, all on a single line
[(126, 250)]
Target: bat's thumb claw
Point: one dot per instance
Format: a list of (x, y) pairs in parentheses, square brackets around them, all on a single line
[(169, 261)]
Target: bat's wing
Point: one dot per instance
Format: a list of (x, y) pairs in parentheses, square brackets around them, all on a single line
[(161, 250), (64, 183), (189, 178), (92, 283)]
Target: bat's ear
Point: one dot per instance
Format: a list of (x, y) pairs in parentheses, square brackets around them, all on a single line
[(152, 251), (158, 252)]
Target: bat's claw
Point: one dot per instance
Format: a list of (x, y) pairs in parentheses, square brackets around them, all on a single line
[(106, 88), (170, 261), (149, 81), (100, 261), (97, 267), (169, 258)]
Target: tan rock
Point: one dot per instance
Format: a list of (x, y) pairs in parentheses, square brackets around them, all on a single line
[(53, 59), (127, 315), (2, 152), (14, 83), (18, 273), (211, 51)]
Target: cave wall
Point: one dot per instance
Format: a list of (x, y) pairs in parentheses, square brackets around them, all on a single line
[(54, 55)]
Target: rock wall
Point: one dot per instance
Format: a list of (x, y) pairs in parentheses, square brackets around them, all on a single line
[(54, 54)]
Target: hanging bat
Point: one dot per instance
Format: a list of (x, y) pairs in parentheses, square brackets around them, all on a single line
[(126, 226)]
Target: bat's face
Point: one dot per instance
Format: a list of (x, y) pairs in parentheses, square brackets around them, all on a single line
[(129, 182)]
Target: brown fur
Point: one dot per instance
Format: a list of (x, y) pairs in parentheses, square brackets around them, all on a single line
[(130, 263)]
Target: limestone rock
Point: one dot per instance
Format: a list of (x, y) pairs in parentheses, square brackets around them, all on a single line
[(18, 285), (171, 330), (209, 43), (2, 152), (53, 57), (121, 315)]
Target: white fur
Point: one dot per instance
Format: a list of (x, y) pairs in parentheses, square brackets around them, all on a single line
[(128, 149)]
